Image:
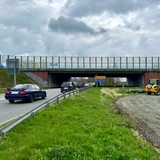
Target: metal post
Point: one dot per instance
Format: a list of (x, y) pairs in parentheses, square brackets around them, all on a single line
[(83, 62), (15, 72), (57, 99), (21, 62), (71, 62), (27, 62), (145, 62), (40, 62), (59, 62), (52, 62), (46, 62), (65, 61), (77, 62), (107, 62), (114, 65), (34, 62), (101, 62), (133, 62), (96, 62)]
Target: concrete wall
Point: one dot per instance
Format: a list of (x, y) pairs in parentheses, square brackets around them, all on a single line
[(40, 77)]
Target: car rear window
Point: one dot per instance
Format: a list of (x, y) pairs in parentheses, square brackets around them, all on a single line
[(21, 86), (66, 84)]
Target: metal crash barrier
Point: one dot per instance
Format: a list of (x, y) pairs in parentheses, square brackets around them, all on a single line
[(6, 128)]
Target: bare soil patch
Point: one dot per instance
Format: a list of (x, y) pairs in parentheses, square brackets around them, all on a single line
[(144, 109)]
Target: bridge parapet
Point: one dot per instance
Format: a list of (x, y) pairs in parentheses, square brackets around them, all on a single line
[(60, 62)]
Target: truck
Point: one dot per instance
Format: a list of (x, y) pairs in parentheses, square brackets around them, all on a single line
[(153, 86)]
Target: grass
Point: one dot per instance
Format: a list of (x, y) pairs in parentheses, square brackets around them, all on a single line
[(84, 127), (7, 80)]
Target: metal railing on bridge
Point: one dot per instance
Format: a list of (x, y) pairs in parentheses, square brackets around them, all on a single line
[(60, 62)]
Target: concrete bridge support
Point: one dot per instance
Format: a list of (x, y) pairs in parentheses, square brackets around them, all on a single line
[(151, 75)]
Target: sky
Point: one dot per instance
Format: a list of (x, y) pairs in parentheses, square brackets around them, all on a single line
[(99, 28)]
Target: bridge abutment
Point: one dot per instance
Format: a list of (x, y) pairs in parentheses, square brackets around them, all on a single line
[(151, 75)]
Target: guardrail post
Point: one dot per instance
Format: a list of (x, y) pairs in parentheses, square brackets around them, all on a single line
[(1, 134), (57, 99)]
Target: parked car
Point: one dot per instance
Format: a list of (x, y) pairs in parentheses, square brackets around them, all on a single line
[(67, 86), (25, 92)]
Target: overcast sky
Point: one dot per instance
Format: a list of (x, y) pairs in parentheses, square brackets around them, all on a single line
[(80, 27)]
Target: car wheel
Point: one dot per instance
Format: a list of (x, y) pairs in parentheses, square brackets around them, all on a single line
[(43, 96), (31, 99), (11, 101), (148, 93)]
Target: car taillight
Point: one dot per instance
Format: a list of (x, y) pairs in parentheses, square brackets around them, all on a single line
[(7, 92), (22, 92)]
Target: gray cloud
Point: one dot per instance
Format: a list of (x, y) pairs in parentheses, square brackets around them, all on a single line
[(102, 27), (69, 25), (88, 7)]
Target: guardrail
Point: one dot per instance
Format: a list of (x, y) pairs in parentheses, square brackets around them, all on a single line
[(9, 126)]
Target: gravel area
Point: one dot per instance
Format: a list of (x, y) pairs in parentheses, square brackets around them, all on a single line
[(145, 110)]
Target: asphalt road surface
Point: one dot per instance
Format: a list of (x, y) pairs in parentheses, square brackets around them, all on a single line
[(145, 109), (11, 111)]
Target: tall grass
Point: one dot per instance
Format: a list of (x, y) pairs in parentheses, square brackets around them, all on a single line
[(84, 127)]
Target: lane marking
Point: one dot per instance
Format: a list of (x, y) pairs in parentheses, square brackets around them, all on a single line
[(9, 120)]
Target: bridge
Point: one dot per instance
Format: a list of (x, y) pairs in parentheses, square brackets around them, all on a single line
[(53, 70)]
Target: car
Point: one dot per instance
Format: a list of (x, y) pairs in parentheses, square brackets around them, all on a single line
[(80, 84), (67, 86), (25, 92)]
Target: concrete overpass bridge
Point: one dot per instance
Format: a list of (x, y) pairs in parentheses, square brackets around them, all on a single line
[(53, 70)]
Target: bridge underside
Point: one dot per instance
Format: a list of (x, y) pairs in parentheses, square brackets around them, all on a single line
[(57, 77), (54, 78)]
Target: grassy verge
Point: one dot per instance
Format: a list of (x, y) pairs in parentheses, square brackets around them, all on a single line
[(7, 80), (86, 126)]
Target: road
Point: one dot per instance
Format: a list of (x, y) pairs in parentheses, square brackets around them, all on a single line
[(11, 111), (145, 109)]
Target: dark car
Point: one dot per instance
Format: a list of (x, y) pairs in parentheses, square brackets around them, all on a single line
[(80, 84), (25, 92), (67, 86)]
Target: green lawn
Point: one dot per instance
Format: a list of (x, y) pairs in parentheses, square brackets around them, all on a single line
[(84, 127)]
